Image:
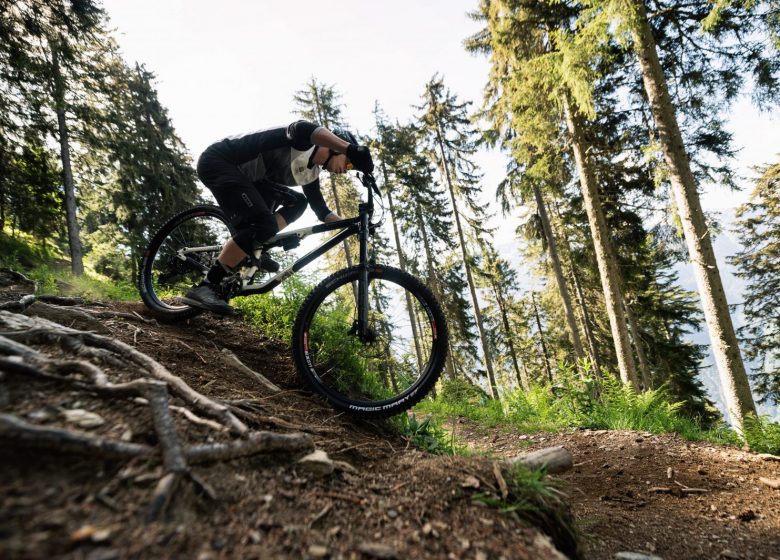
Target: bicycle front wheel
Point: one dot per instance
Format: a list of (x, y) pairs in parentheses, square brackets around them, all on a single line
[(178, 257), (381, 372)]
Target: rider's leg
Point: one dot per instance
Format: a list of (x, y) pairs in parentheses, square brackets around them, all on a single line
[(246, 210)]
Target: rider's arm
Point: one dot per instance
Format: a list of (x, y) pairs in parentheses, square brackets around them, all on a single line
[(325, 138), (317, 201)]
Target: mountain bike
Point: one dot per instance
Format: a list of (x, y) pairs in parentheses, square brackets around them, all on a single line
[(370, 338)]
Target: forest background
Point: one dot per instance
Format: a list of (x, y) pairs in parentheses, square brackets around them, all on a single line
[(240, 68)]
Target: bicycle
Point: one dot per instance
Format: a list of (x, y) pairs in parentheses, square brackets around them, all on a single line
[(371, 339)]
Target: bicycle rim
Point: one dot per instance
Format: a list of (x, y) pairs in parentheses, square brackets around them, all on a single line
[(184, 252), (390, 369)]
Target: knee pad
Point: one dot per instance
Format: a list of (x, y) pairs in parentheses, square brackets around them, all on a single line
[(294, 209), (251, 233)]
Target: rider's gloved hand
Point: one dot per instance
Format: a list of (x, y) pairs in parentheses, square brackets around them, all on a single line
[(360, 156)]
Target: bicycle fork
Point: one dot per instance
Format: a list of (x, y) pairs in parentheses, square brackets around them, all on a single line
[(362, 329)]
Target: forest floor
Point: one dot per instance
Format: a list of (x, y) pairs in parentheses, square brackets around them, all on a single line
[(386, 499), (627, 492)]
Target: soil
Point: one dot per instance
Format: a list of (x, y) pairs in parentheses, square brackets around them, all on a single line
[(614, 493), (391, 500)]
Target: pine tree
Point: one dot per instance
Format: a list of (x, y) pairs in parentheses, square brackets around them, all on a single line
[(632, 18), (502, 285), (321, 103), (529, 85), (152, 176), (448, 134), (759, 264)]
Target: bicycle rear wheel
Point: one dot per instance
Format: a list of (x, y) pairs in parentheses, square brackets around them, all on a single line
[(178, 257), (388, 371)]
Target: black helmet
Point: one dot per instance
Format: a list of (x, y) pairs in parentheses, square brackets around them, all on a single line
[(345, 135)]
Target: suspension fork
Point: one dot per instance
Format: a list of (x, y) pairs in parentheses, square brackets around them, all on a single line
[(362, 326)]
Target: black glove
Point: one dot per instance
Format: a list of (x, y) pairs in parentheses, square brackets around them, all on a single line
[(360, 157)]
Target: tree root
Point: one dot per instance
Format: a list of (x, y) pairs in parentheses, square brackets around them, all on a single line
[(17, 358), (231, 359), (36, 328)]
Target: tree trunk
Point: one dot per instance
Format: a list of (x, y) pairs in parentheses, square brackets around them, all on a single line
[(605, 256), (522, 377), (586, 322), (552, 248), (464, 254), (644, 365), (402, 265), (593, 351), (450, 366), (541, 338), (76, 259), (733, 377), (322, 118)]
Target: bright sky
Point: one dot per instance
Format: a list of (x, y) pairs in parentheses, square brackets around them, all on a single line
[(233, 66)]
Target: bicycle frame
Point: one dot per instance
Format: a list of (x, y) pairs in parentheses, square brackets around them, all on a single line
[(359, 225)]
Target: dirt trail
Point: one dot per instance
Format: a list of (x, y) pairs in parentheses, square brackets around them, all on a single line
[(613, 493), (390, 500)]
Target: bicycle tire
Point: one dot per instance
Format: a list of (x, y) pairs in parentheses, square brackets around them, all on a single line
[(315, 364), (160, 308)]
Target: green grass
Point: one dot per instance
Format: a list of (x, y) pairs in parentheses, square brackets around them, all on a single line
[(49, 268), (610, 406), (762, 436)]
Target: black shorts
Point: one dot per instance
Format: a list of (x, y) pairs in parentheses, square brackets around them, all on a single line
[(248, 205), (241, 199)]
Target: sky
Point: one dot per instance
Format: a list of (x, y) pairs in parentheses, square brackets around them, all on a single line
[(233, 66)]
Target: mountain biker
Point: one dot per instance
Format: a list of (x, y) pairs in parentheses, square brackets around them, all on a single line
[(246, 173)]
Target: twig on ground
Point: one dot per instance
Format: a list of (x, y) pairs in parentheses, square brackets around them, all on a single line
[(233, 360)]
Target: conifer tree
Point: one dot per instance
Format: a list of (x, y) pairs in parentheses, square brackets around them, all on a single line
[(631, 19), (529, 86), (447, 133), (501, 282), (152, 176), (321, 103), (759, 264)]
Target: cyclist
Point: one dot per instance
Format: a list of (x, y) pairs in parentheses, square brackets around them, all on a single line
[(245, 174)]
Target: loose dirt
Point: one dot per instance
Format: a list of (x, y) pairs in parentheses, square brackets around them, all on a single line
[(391, 500), (617, 492)]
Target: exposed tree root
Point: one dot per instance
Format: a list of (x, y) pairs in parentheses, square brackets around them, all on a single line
[(17, 358), (37, 329)]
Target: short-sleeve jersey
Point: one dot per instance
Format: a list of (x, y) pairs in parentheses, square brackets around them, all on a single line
[(281, 155)]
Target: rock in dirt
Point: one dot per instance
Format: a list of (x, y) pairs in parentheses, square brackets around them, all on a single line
[(635, 556), (771, 482), (378, 550), (90, 533), (83, 418), (554, 459), (317, 463), (470, 482), (318, 551)]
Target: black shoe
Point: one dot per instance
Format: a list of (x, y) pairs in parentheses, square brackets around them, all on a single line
[(205, 296)]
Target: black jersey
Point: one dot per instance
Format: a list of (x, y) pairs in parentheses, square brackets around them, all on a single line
[(281, 155)]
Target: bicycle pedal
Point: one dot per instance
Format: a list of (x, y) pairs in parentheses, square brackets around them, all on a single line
[(268, 264)]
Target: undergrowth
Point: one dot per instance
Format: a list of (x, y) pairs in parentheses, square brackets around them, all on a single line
[(45, 263), (586, 403)]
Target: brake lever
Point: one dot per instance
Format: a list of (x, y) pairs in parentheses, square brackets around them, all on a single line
[(368, 181)]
